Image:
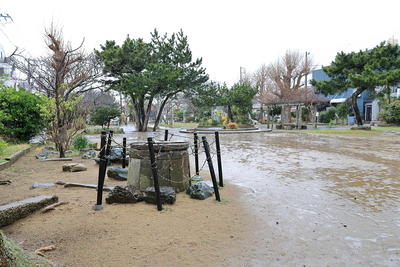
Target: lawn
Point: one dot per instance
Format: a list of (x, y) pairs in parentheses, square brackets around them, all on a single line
[(181, 125)]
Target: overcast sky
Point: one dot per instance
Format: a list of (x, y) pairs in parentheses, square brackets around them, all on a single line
[(226, 34)]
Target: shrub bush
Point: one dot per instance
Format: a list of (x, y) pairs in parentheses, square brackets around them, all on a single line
[(80, 142), (232, 125), (189, 119), (391, 114), (327, 116), (3, 145), (364, 128)]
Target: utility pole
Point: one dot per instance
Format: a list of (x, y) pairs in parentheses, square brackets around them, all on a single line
[(306, 65), (242, 74)]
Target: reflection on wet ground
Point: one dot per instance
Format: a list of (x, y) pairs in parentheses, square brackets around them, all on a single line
[(336, 195), (323, 200)]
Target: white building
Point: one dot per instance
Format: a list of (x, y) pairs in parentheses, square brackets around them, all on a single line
[(7, 68)]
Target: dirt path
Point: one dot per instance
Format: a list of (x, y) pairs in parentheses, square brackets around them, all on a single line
[(188, 233)]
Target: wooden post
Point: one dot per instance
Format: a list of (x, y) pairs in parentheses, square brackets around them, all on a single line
[(154, 172), (221, 183), (102, 168), (196, 153), (211, 167), (124, 152)]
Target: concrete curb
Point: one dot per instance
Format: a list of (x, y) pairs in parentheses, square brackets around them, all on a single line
[(10, 213), (13, 158)]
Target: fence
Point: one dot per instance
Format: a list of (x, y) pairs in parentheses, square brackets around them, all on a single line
[(206, 155)]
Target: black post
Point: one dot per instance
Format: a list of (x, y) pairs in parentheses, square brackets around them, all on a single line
[(154, 171), (221, 183), (102, 168), (166, 135), (108, 149), (124, 152), (211, 167), (196, 153)]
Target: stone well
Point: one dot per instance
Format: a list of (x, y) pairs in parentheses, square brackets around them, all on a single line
[(172, 160)]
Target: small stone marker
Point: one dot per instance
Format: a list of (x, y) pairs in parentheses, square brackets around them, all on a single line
[(74, 167)]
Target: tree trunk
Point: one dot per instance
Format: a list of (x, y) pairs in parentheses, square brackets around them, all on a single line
[(287, 114), (138, 105), (355, 106), (311, 116), (230, 114), (261, 119), (159, 114)]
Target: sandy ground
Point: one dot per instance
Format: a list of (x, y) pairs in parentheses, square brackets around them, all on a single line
[(188, 233)]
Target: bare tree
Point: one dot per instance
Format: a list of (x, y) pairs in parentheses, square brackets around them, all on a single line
[(61, 75), (261, 79), (287, 76)]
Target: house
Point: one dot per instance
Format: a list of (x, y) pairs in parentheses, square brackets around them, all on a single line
[(363, 101)]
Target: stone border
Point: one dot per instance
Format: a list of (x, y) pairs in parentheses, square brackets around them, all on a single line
[(11, 213), (14, 157)]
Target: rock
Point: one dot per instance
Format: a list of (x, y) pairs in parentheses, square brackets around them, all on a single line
[(124, 194), (92, 153), (115, 155), (43, 154), (168, 195), (117, 173), (15, 211), (97, 160), (74, 167), (86, 185), (88, 153), (196, 178), (12, 255), (200, 190), (5, 182), (36, 185), (86, 156), (57, 159)]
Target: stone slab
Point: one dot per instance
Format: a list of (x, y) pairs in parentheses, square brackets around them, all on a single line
[(87, 186), (10, 213)]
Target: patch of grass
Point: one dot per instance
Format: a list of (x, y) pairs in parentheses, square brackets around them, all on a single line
[(98, 130), (223, 201), (166, 209), (361, 128), (11, 149), (182, 125)]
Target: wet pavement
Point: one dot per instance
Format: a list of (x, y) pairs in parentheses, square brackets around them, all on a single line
[(332, 200), (319, 200)]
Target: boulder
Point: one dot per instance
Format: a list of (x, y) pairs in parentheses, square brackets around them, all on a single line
[(124, 194), (115, 155), (74, 167), (168, 195), (200, 190), (117, 173)]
